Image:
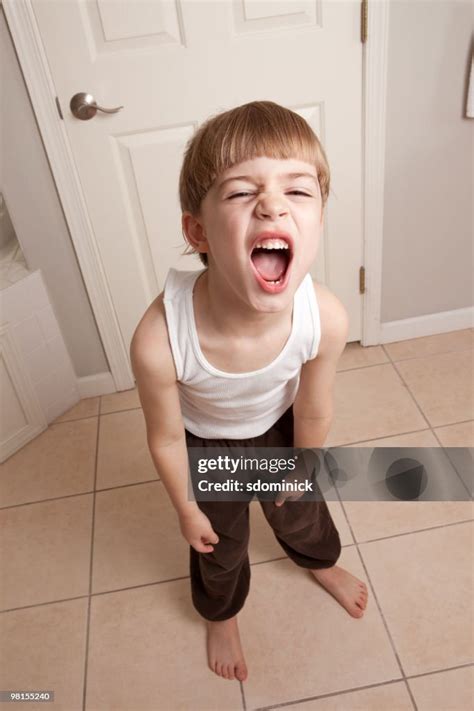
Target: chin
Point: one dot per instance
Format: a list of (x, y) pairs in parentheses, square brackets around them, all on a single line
[(272, 303)]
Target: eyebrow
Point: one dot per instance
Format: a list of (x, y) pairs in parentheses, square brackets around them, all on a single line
[(282, 175)]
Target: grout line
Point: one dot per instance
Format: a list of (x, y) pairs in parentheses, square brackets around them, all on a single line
[(186, 577), (409, 533), (328, 695), (141, 585), (409, 391), (73, 419), (446, 454), (97, 414), (430, 427), (377, 603), (401, 360), (272, 560), (43, 604), (96, 594), (361, 688), (425, 355), (45, 501), (82, 493), (441, 671), (134, 483), (242, 694), (91, 562), (115, 412), (398, 434)]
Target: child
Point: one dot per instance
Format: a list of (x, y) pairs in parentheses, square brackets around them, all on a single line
[(244, 352)]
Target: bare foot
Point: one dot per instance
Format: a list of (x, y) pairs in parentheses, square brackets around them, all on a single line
[(346, 588), (224, 651)]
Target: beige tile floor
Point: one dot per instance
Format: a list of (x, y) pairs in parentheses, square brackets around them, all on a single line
[(95, 592)]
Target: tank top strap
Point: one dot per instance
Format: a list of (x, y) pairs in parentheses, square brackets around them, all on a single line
[(175, 291), (307, 308)]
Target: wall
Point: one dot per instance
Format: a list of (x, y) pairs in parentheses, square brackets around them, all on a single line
[(427, 245), (428, 220), (36, 214)]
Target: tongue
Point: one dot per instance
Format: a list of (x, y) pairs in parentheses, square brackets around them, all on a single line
[(270, 264)]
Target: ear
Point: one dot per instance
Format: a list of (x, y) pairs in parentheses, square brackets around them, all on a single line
[(193, 231)]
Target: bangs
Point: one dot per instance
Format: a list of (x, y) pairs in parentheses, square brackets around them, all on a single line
[(257, 130)]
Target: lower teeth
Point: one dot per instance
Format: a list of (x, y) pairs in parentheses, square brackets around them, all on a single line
[(275, 282)]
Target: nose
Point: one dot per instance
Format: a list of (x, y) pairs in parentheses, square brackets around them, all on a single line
[(271, 206)]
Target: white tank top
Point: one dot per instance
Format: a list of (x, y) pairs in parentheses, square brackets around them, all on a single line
[(220, 405)]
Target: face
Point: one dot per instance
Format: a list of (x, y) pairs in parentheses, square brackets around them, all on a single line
[(260, 225)]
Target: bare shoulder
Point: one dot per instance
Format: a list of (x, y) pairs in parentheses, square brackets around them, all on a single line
[(334, 320), (150, 350)]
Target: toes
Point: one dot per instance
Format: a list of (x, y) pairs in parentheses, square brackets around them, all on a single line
[(241, 672), (230, 672)]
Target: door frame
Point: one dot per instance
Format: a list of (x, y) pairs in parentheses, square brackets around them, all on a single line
[(33, 62)]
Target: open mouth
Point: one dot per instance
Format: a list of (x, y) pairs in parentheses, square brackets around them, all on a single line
[(271, 258)]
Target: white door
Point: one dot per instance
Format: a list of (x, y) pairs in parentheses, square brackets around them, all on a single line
[(171, 64)]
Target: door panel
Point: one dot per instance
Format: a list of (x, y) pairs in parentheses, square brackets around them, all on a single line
[(173, 64)]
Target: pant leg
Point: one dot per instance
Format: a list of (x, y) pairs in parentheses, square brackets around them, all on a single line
[(306, 532), (220, 580), (304, 529)]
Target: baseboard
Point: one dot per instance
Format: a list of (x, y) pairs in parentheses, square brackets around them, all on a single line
[(98, 384), (426, 325)]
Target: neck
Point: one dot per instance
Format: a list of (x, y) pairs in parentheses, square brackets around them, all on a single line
[(228, 314)]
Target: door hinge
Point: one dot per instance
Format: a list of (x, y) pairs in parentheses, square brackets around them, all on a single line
[(362, 280), (58, 106), (364, 13)]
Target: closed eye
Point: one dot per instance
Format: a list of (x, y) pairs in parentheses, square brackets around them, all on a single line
[(291, 192), (238, 195)]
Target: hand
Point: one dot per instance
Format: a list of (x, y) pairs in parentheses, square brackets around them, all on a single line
[(282, 496), (197, 530), (302, 473)]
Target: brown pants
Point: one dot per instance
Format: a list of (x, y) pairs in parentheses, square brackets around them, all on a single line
[(220, 580)]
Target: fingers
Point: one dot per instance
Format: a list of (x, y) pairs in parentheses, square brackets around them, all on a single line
[(202, 547), (281, 498), (213, 537), (204, 543)]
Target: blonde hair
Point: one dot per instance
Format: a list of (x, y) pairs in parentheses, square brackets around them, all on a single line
[(259, 128)]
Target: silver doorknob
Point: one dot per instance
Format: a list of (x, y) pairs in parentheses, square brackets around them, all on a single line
[(84, 107)]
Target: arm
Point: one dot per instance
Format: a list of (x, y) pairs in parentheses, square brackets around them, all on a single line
[(313, 407), (153, 367)]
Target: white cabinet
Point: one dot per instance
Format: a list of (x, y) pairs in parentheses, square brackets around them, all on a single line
[(37, 380), (21, 417)]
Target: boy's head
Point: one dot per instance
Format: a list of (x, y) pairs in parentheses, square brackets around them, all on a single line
[(259, 128)]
